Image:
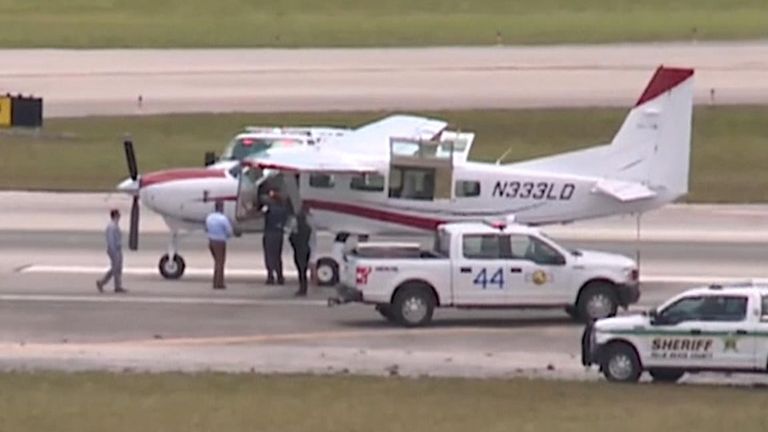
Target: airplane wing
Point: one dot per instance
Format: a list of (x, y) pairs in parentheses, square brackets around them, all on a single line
[(311, 159), (374, 138), (623, 191)]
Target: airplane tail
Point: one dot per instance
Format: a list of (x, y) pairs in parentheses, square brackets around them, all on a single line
[(650, 154), (653, 145)]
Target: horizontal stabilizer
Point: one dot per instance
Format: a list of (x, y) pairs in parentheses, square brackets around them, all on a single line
[(624, 191)]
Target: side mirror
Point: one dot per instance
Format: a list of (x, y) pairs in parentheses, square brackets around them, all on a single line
[(653, 314), (210, 158)]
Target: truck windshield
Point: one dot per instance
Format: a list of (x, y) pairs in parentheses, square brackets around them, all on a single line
[(241, 148)]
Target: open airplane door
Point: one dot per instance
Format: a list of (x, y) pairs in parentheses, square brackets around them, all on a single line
[(248, 212)]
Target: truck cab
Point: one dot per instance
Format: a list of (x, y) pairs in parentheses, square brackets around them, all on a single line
[(716, 328), (485, 265)]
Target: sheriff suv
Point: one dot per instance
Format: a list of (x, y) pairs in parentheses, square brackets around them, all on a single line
[(480, 265), (716, 328)]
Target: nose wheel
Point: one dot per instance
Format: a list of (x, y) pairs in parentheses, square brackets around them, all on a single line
[(171, 267)]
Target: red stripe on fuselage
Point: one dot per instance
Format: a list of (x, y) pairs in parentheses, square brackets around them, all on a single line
[(420, 222), (179, 174)]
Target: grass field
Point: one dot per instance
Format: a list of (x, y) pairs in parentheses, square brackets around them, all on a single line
[(304, 23), (730, 144), (215, 402)]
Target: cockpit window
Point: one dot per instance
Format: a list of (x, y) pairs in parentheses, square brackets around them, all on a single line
[(241, 148)]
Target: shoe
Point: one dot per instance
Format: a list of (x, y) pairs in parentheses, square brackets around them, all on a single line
[(300, 294), (99, 286), (270, 282), (280, 281), (121, 290), (220, 287)]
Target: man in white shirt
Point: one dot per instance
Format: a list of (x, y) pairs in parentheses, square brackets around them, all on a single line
[(219, 230)]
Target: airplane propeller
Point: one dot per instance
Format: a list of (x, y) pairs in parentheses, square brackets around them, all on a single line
[(130, 157)]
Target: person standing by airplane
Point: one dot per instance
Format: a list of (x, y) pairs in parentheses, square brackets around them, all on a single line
[(219, 230), (115, 253), (303, 240), (275, 218)]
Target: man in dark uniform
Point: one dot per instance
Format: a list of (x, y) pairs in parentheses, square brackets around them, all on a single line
[(302, 238), (275, 218)]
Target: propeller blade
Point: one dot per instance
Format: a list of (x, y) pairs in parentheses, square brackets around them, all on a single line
[(130, 157), (133, 234)]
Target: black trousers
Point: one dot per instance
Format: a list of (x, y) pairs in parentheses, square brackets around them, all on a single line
[(301, 259), (273, 254)]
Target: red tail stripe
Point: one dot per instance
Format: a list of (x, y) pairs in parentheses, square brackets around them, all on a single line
[(663, 80)]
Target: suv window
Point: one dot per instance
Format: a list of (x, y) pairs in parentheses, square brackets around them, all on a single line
[(485, 246), (707, 308), (533, 249), (321, 181)]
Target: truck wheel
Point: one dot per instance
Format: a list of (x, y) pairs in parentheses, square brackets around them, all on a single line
[(597, 300), (620, 363), (413, 306), (666, 375), (386, 312), (327, 272)]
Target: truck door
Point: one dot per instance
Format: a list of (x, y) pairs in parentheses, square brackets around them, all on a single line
[(481, 274), (711, 331), (543, 276)]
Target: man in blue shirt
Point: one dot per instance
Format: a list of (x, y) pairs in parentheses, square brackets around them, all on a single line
[(219, 230), (115, 253)]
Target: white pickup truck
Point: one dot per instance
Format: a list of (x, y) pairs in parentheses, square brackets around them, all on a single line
[(478, 265), (716, 328)]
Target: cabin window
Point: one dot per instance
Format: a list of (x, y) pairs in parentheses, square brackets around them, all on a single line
[(324, 181), (367, 182), (412, 183), (467, 188)]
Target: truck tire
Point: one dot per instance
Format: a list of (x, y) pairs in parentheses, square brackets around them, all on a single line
[(597, 300), (413, 305), (620, 363), (385, 311), (666, 375)]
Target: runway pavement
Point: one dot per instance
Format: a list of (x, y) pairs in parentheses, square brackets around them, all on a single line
[(103, 82), (52, 317)]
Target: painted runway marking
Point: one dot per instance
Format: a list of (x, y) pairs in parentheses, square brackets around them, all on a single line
[(151, 271), (129, 298)]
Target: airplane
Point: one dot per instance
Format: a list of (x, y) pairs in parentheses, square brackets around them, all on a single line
[(408, 174)]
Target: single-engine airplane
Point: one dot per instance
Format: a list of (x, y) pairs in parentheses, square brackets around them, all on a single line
[(405, 174)]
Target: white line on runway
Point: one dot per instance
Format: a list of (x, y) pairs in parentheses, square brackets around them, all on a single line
[(149, 271), (108, 298)]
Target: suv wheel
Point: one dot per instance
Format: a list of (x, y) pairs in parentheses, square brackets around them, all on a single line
[(620, 363)]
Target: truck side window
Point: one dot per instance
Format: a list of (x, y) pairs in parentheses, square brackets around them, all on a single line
[(481, 246), (532, 249)]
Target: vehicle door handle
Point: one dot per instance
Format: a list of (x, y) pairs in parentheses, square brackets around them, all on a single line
[(696, 331), (515, 270), (466, 269), (741, 332)]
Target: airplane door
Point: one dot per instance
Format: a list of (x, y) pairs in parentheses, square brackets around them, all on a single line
[(248, 213)]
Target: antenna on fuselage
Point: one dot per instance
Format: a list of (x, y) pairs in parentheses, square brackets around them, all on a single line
[(503, 155)]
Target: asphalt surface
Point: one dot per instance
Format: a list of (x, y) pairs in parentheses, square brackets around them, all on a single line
[(51, 315), (104, 82)]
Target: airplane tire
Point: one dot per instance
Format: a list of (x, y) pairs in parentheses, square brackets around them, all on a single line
[(327, 272), (171, 268)]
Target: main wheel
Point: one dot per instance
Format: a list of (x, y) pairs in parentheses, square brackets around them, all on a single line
[(620, 363), (597, 300), (171, 268), (666, 375), (327, 272), (413, 306)]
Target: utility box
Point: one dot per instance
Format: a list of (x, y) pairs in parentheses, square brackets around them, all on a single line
[(21, 111)]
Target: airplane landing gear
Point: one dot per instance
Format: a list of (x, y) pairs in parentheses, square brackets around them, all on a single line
[(172, 265), (171, 268)]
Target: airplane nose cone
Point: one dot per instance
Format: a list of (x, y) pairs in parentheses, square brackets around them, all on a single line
[(129, 186)]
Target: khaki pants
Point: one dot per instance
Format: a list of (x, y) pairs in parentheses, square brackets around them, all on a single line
[(219, 254)]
